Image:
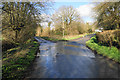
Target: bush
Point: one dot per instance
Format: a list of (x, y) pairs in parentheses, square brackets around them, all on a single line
[(112, 53), (109, 38)]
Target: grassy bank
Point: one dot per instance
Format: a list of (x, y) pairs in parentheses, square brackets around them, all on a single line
[(112, 53), (17, 60), (74, 37), (50, 38), (66, 37)]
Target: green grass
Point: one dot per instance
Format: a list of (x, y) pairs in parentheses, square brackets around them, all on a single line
[(66, 38), (15, 67), (50, 39), (71, 38), (112, 53)]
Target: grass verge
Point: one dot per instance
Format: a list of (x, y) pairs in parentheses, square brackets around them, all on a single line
[(51, 38), (14, 66), (112, 53), (67, 37), (73, 37)]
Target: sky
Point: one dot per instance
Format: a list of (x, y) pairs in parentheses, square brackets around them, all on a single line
[(83, 8)]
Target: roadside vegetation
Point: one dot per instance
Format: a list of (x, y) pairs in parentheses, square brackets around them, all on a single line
[(19, 23), (109, 38), (107, 42), (66, 37), (17, 60), (110, 52), (60, 38)]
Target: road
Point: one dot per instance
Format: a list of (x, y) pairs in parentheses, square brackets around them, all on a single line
[(71, 59)]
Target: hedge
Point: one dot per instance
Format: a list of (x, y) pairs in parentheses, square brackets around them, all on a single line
[(112, 53)]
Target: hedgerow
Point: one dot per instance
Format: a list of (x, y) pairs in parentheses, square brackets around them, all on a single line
[(112, 53)]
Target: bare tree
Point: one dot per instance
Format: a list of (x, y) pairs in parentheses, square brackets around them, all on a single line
[(64, 16), (17, 16)]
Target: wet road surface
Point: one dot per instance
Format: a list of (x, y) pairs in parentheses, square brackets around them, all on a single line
[(71, 59)]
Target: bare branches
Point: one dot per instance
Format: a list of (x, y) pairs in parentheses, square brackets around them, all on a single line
[(18, 16)]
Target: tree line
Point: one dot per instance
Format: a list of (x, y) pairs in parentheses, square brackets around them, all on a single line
[(66, 21), (108, 15), (20, 21)]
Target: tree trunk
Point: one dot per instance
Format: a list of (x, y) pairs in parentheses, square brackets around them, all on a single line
[(16, 36)]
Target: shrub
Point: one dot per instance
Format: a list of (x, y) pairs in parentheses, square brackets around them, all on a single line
[(109, 38)]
